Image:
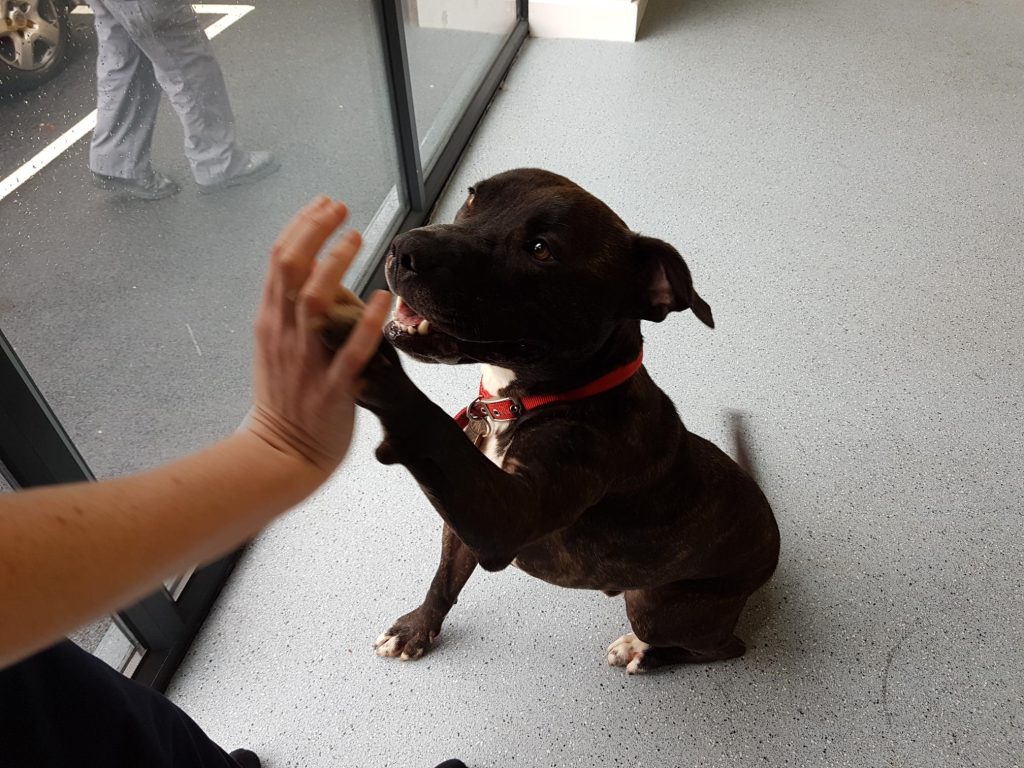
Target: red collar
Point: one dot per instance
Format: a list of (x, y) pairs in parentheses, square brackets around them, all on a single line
[(489, 408)]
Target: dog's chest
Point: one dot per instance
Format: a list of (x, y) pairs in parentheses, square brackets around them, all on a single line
[(492, 439), (494, 445)]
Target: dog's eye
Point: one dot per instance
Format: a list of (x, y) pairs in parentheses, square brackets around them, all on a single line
[(540, 251), (470, 197)]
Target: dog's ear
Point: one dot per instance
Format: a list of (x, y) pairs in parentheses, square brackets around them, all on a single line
[(663, 283)]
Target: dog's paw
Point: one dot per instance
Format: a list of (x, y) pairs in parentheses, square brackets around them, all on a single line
[(628, 651), (408, 639), (402, 645), (386, 453)]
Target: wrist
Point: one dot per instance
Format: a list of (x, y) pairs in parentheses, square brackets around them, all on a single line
[(296, 475), (289, 438)]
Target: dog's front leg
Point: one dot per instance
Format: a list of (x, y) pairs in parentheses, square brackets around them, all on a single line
[(410, 636), (560, 469)]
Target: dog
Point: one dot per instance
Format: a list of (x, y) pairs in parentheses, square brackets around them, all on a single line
[(571, 465)]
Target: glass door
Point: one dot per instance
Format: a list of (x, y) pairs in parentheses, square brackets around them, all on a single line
[(135, 230), (451, 45)]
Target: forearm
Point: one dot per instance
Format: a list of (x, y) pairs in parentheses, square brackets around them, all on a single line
[(71, 553)]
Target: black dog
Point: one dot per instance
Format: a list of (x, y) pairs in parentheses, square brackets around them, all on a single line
[(577, 468)]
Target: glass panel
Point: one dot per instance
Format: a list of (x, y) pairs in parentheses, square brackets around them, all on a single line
[(106, 640), (132, 310), (134, 316), (116, 647), (451, 46), (89, 637), (177, 584)]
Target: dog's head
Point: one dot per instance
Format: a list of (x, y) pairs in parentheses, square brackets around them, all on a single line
[(532, 266)]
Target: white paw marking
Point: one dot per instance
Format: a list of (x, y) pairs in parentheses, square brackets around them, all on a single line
[(633, 668), (387, 645), (627, 651)]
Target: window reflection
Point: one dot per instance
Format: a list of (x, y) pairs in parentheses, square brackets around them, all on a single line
[(152, 151), (147, 50), (131, 304), (450, 46)]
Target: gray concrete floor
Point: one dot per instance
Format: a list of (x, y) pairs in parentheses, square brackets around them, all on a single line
[(846, 182)]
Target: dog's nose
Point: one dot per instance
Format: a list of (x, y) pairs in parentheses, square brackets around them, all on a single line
[(403, 247), (424, 250)]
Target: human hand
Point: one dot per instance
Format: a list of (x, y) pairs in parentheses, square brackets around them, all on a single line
[(304, 392)]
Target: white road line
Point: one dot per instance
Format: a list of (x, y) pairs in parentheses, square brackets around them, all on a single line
[(229, 13), (194, 342)]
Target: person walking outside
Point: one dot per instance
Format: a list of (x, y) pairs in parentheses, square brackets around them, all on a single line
[(150, 46)]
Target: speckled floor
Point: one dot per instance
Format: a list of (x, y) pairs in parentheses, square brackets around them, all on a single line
[(846, 182)]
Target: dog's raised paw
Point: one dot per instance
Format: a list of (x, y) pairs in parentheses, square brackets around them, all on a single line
[(627, 651)]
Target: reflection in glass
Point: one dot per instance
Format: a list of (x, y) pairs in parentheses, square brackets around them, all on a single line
[(147, 49), (451, 45), (134, 315)]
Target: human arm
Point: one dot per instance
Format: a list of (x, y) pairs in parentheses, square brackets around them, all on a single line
[(74, 552)]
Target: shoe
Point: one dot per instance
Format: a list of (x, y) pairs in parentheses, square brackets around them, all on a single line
[(245, 758), (257, 165), (155, 186)]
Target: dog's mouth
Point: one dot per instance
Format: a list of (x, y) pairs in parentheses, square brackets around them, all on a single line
[(409, 320), (417, 335), (429, 340)]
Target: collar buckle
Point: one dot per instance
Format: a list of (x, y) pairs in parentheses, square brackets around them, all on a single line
[(491, 409)]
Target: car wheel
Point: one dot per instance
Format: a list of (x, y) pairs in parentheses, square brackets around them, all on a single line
[(34, 39)]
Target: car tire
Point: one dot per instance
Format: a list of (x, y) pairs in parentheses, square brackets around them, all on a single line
[(47, 47)]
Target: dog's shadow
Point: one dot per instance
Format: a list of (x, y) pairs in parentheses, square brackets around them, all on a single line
[(776, 620)]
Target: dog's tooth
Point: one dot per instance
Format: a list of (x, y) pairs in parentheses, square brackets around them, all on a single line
[(410, 330), (423, 328)]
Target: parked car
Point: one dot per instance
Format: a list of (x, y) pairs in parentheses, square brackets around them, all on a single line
[(35, 37)]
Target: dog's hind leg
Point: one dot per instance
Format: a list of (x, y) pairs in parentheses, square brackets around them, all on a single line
[(411, 636), (686, 622)]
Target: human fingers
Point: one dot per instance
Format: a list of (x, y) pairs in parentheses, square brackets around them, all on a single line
[(295, 249), (362, 343), (320, 290)]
